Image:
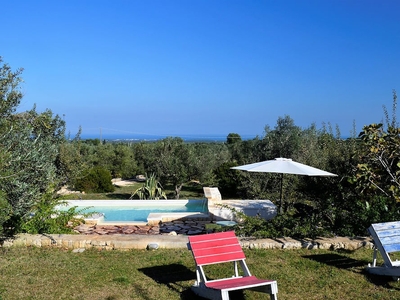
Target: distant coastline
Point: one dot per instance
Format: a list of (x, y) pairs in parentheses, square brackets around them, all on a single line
[(153, 138)]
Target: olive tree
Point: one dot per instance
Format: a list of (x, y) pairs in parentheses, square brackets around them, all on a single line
[(170, 162), (29, 144), (176, 163)]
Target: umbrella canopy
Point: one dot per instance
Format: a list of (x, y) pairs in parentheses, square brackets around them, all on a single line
[(283, 166)]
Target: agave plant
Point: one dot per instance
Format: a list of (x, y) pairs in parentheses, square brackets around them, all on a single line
[(150, 190)]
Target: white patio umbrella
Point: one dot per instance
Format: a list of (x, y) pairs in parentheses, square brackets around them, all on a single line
[(283, 166)]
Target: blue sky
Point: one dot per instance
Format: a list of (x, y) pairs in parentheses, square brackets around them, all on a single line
[(207, 67)]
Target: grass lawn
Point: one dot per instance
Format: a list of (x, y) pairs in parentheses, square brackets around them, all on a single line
[(44, 273)]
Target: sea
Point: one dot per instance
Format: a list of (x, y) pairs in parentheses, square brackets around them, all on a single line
[(189, 138)]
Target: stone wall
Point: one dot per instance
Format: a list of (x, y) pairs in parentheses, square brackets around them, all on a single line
[(136, 241)]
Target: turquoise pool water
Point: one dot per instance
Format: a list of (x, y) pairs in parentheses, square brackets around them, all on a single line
[(115, 211), (138, 214)]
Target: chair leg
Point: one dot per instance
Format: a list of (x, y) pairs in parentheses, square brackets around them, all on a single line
[(374, 257), (224, 295)]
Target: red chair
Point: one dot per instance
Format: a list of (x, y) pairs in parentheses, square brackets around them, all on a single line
[(224, 247)]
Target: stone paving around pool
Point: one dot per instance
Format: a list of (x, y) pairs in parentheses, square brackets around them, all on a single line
[(167, 228)]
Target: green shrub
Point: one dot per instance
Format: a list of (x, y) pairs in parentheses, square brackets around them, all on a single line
[(45, 217), (283, 225), (5, 213), (359, 214), (95, 180)]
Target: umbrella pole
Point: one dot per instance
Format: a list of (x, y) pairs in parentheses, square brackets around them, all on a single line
[(281, 199)]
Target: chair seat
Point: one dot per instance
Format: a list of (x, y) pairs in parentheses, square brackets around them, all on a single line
[(237, 283)]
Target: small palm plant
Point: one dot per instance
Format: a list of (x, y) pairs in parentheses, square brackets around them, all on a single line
[(150, 190)]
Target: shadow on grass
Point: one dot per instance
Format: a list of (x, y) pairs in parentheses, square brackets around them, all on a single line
[(357, 266), (118, 196), (174, 275), (386, 282), (337, 260)]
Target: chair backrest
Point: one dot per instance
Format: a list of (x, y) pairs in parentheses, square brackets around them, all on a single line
[(386, 238), (216, 248)]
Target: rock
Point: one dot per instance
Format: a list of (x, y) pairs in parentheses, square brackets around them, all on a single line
[(289, 243), (84, 227), (152, 246), (154, 231), (79, 250), (101, 232), (309, 245), (140, 178)]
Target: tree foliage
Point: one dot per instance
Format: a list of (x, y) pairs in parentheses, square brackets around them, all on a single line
[(378, 170), (376, 173), (70, 162), (29, 144), (176, 162), (95, 180)]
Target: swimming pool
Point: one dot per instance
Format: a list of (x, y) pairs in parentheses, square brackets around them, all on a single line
[(128, 211)]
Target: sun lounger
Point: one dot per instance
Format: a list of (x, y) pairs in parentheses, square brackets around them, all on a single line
[(224, 247), (386, 240)]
